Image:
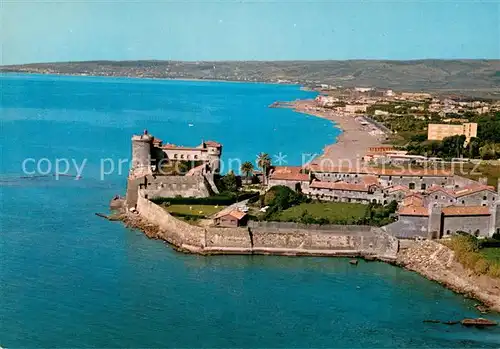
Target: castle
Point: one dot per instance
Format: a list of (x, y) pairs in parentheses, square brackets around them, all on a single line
[(150, 158), (432, 203)]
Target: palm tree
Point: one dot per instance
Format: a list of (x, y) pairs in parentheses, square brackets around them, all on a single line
[(247, 169), (264, 162)]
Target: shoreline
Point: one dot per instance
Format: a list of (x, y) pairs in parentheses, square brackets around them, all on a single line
[(451, 275), (436, 262), (151, 78), (350, 145), (422, 257)]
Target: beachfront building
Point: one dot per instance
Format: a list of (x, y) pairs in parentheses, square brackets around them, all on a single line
[(356, 108), (438, 132), (431, 202)]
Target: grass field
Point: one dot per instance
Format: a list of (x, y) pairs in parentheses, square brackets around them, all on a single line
[(491, 254), (201, 211), (330, 210)]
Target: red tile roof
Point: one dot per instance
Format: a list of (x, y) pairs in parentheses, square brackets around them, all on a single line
[(466, 211), (394, 188), (289, 173), (234, 213), (370, 180), (380, 171), (213, 144), (437, 188), (413, 211), (473, 189), (413, 200)]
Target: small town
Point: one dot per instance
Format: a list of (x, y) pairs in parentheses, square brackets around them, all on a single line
[(400, 177)]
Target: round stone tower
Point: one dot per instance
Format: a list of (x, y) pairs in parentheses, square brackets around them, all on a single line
[(141, 151), (214, 153)]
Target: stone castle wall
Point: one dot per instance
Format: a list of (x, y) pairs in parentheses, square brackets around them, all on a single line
[(167, 186), (269, 238)]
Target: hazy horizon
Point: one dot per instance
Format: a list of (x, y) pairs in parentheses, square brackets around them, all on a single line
[(76, 31)]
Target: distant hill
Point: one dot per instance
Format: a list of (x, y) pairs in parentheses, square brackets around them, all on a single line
[(475, 77)]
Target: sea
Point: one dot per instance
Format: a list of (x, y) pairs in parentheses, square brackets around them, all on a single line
[(71, 279)]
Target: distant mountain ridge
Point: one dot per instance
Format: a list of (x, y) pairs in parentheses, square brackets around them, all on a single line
[(468, 76)]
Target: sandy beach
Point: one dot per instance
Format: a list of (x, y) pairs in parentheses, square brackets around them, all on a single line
[(351, 145)]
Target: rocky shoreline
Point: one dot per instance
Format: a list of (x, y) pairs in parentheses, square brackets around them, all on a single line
[(430, 259), (436, 262)]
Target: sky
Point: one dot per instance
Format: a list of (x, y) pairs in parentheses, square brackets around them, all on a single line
[(76, 30)]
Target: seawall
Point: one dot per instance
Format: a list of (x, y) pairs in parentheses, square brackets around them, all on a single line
[(267, 238)]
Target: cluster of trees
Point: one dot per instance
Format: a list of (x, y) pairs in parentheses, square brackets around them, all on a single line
[(450, 147), (263, 162), (455, 147), (279, 198)]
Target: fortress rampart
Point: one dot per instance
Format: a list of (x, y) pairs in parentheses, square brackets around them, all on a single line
[(269, 238)]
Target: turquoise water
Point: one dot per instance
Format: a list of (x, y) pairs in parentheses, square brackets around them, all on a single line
[(71, 279)]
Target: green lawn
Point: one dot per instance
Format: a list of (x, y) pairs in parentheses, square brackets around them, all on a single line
[(491, 253), (330, 210), (201, 211)]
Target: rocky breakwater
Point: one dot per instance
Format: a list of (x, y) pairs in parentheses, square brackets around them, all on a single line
[(436, 262)]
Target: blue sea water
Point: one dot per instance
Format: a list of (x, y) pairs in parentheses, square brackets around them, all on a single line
[(71, 279)]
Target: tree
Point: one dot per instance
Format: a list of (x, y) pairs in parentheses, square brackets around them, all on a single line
[(247, 169), (473, 148), (490, 151), (230, 182), (264, 162)]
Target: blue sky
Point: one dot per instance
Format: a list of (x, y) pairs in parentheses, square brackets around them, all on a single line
[(43, 31)]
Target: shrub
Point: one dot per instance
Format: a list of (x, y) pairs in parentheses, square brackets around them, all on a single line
[(468, 253), (481, 266), (494, 270)]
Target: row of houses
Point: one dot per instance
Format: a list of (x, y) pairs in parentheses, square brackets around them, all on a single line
[(430, 201)]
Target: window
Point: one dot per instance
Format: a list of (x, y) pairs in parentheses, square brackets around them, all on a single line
[(175, 156), (463, 202), (182, 156), (196, 156), (485, 198), (423, 186), (436, 197), (448, 232), (411, 186)]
